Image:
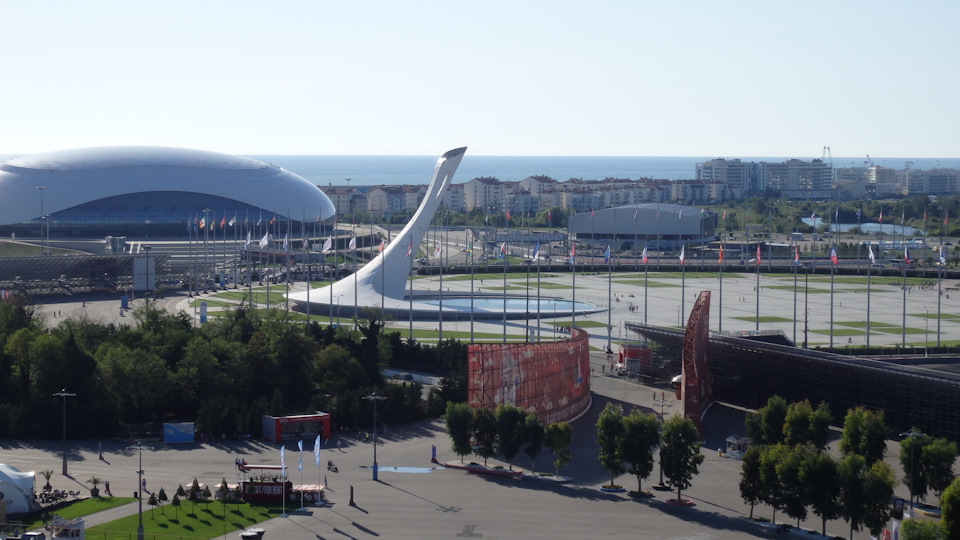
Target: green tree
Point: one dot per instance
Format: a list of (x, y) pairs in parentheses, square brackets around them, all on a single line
[(850, 471), (921, 530), (641, 436), (459, 421), (864, 434), (511, 421), (680, 454), (751, 484), (796, 425), (533, 435), (774, 491), (938, 457), (879, 483), (820, 480), (789, 471), (820, 421), (206, 494), (484, 432), (766, 425), (610, 432), (950, 510), (152, 501), (161, 498), (176, 504), (557, 437)]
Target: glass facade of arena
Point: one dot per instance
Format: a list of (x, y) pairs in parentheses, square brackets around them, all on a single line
[(161, 213)]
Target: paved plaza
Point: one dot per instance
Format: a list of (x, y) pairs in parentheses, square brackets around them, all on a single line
[(447, 503)]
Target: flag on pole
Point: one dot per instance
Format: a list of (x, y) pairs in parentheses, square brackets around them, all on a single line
[(203, 222), (300, 445), (549, 218), (536, 252), (796, 255), (906, 255), (265, 240), (635, 212), (880, 220), (813, 216), (873, 260), (503, 250), (383, 244), (591, 213), (833, 255), (188, 223), (943, 258), (246, 245), (903, 215), (283, 460), (508, 217), (681, 252), (924, 215), (858, 215), (720, 254), (470, 245), (316, 450), (213, 222), (644, 255), (286, 241), (758, 254), (273, 219), (223, 221), (944, 218), (327, 245), (436, 252), (353, 243), (573, 253), (606, 255), (232, 221), (680, 215), (409, 248), (836, 215), (724, 215)]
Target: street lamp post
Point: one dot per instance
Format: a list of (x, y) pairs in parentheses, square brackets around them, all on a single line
[(139, 492), (926, 335), (375, 398), (64, 394), (913, 461)]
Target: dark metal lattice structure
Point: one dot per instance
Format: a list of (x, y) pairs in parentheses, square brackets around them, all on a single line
[(746, 373)]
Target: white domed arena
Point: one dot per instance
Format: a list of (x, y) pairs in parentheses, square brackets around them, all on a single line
[(143, 190)]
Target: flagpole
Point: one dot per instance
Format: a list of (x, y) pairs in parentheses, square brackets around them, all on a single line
[(720, 296), (869, 267), (658, 243), (796, 257), (336, 267), (503, 251), (302, 508), (440, 298), (683, 284), (330, 270), (940, 269), (573, 272), (470, 254), (609, 295), (833, 271), (538, 298), (645, 289), (283, 484), (859, 232), (410, 295), (757, 289), (903, 287)]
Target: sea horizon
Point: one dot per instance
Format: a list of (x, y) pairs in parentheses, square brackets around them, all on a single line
[(373, 170)]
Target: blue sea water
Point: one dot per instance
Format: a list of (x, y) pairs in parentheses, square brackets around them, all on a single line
[(398, 170)]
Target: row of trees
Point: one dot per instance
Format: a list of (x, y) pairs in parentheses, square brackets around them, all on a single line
[(508, 430), (632, 439), (788, 467), (223, 375)]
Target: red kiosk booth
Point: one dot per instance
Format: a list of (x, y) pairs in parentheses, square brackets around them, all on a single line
[(302, 426)]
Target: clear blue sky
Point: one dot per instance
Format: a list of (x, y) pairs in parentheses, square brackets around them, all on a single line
[(631, 78)]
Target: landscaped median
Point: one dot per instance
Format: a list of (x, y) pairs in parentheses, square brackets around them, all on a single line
[(200, 520)]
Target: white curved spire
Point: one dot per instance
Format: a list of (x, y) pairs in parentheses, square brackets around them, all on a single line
[(386, 275)]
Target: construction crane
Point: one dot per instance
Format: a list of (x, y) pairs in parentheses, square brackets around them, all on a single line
[(827, 155)]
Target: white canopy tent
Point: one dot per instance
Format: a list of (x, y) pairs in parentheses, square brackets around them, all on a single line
[(16, 488)]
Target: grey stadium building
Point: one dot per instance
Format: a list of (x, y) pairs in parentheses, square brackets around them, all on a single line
[(139, 191)]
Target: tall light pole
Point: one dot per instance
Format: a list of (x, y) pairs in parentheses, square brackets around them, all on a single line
[(375, 398), (139, 448), (914, 433), (926, 335), (64, 394)]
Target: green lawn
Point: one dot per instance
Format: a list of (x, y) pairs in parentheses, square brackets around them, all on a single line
[(190, 521), (770, 319), (79, 508)]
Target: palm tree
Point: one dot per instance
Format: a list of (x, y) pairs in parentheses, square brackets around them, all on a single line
[(95, 481), (46, 474)]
